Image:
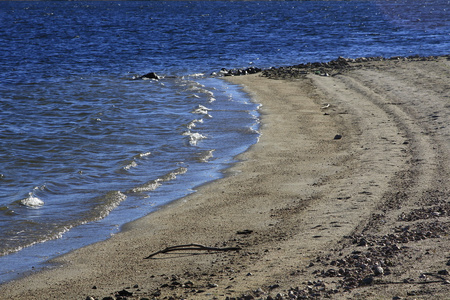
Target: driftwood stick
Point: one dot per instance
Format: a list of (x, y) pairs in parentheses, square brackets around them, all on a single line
[(190, 247)]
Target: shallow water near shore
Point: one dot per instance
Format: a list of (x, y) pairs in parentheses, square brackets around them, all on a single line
[(87, 147)]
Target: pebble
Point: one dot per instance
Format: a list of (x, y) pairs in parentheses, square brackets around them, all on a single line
[(378, 270), (367, 280)]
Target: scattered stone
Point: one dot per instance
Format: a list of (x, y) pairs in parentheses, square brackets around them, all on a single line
[(443, 272), (274, 286), (246, 231), (331, 68), (367, 280), (237, 72), (259, 292), (188, 284), (362, 242), (124, 293), (338, 137), (378, 270)]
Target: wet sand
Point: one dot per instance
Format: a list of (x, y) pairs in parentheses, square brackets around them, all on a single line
[(346, 195)]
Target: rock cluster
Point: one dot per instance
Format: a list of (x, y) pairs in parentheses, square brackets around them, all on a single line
[(330, 68), (238, 72)]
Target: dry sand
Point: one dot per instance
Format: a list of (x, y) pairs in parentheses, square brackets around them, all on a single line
[(313, 214)]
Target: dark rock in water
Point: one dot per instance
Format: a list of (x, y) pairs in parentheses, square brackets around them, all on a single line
[(151, 75)]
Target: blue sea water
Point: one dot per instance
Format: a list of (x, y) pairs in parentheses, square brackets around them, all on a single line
[(86, 146)]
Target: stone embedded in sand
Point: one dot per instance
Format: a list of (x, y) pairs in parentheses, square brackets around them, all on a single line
[(378, 270), (124, 293), (367, 280), (338, 136), (363, 242)]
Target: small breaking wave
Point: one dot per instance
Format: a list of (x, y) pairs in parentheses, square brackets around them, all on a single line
[(201, 110), (199, 88), (197, 75), (142, 155), (205, 156), (105, 205), (31, 201), (132, 163), (193, 123), (194, 137), (154, 184)]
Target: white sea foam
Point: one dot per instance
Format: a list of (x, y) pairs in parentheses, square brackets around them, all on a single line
[(154, 184), (206, 155), (31, 201), (193, 123), (196, 75), (194, 137), (141, 155), (174, 174), (201, 110), (110, 201), (132, 164)]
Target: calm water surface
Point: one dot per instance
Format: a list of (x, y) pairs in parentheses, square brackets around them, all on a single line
[(86, 147)]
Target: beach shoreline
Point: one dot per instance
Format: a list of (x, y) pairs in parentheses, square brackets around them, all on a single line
[(345, 196)]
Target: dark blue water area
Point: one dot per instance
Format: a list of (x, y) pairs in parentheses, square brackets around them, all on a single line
[(56, 39), (101, 148)]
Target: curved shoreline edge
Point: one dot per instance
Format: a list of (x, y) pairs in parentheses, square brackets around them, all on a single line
[(346, 194)]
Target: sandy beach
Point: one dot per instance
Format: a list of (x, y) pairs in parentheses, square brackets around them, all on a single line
[(345, 196)]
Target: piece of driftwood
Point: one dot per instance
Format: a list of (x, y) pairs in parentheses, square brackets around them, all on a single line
[(192, 247)]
